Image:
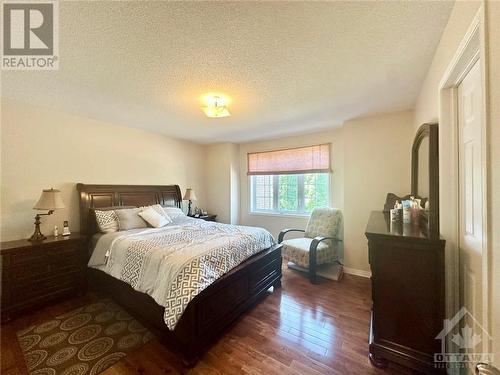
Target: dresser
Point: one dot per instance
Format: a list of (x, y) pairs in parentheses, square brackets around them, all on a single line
[(408, 292), (34, 273)]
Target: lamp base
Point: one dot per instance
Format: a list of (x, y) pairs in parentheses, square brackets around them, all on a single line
[(37, 235)]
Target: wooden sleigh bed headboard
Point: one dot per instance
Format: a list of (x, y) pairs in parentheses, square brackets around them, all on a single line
[(95, 196)]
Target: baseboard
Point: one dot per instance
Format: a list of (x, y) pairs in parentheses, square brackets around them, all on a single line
[(332, 271), (356, 272)]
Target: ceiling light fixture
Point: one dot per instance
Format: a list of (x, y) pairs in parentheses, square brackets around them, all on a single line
[(216, 106)]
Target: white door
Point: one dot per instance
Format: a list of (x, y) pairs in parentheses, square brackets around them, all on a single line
[(471, 188)]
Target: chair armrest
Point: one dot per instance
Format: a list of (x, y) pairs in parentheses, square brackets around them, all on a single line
[(285, 231), (312, 254), (316, 240)]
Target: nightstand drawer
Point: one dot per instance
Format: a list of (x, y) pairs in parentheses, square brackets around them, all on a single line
[(44, 269), (33, 288), (63, 250), (36, 273), (28, 256), (21, 272), (36, 255)]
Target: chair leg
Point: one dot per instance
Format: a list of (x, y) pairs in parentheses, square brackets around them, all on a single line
[(312, 276), (312, 272)]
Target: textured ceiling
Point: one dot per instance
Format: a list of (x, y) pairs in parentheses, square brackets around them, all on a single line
[(289, 67)]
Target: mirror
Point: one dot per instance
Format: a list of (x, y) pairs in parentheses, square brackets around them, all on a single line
[(425, 174), (423, 169)]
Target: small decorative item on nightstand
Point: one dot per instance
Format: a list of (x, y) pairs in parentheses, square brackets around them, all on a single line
[(197, 212), (66, 231), (190, 196), (50, 200)]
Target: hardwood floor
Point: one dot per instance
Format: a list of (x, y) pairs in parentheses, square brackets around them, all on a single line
[(298, 329)]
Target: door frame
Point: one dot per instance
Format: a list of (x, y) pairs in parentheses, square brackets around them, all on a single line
[(471, 49)]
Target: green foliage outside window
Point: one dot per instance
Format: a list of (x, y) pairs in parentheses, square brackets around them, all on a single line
[(315, 190), (288, 193)]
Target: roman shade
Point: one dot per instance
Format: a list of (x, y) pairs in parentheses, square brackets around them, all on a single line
[(310, 159)]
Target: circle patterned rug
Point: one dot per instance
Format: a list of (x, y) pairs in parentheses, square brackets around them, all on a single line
[(87, 340)]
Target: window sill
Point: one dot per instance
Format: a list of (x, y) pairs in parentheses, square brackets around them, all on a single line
[(276, 214)]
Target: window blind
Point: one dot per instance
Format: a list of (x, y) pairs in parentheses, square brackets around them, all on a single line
[(311, 159)]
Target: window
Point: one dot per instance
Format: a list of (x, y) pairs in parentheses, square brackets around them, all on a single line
[(289, 193), (290, 181)]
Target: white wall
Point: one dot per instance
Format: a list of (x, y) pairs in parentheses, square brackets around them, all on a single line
[(377, 160), (427, 105), (234, 154), (223, 181), (42, 148), (370, 157)]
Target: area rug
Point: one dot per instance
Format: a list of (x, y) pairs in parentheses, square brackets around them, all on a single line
[(87, 340)]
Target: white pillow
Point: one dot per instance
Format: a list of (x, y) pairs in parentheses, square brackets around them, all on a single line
[(159, 209), (153, 218), (173, 212)]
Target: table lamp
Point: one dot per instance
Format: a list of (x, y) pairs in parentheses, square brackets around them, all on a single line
[(50, 200), (189, 196)]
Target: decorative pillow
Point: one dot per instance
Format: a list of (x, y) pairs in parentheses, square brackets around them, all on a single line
[(153, 217), (173, 212), (130, 219), (107, 221), (159, 209)]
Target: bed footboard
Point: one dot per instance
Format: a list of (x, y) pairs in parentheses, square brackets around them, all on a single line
[(210, 313)]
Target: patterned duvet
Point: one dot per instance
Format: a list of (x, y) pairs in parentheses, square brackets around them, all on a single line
[(175, 263)]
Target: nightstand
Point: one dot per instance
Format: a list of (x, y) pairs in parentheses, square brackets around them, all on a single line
[(205, 217), (34, 273)]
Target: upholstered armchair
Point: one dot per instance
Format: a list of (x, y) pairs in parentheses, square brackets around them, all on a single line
[(322, 242)]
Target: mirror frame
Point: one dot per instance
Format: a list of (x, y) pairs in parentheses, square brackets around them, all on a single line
[(432, 132)]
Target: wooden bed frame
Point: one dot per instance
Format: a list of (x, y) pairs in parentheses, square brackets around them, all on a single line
[(210, 313)]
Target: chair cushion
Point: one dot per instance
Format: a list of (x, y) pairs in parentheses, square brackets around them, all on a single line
[(297, 251), (325, 222)]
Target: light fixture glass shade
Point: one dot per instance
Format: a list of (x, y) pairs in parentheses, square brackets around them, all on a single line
[(50, 200), (190, 195), (216, 106), (216, 112)]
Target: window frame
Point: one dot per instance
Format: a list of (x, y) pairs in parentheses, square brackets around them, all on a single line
[(300, 193)]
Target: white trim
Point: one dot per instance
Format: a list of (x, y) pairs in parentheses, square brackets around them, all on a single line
[(277, 214), (356, 272), (471, 49)]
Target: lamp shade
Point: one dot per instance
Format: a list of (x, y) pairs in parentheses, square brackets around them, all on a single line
[(190, 195), (50, 200)]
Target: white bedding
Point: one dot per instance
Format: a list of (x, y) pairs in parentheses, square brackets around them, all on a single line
[(175, 263)]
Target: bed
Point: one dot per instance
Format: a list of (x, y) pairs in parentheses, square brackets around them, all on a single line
[(212, 310)]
